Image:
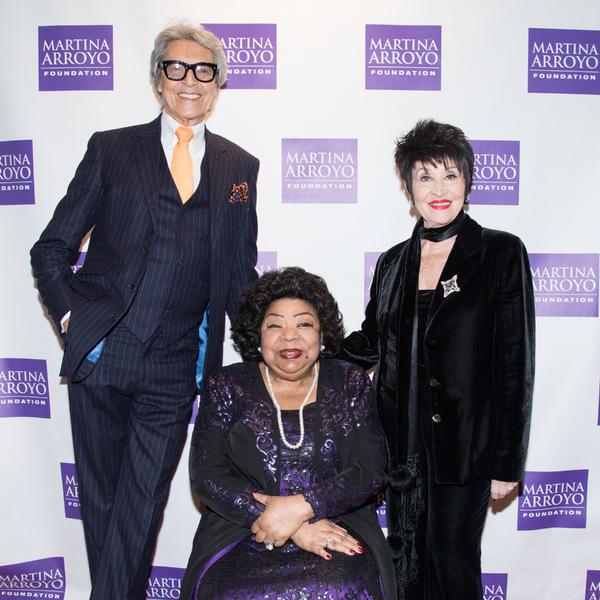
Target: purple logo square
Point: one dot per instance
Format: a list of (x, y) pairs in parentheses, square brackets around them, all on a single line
[(565, 285), (494, 586), (495, 173), (371, 259), (553, 499), (251, 52), (75, 57), (563, 61), (24, 388), (164, 582), (70, 490), (323, 171), (267, 261), (403, 57), (16, 172), (592, 585), (43, 578)]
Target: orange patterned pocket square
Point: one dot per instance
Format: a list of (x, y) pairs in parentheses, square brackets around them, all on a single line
[(239, 193)]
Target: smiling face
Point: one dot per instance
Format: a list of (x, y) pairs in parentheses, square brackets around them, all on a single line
[(188, 101), (290, 339), (439, 192)]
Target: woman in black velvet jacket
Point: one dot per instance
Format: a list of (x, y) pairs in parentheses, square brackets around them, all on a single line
[(450, 327)]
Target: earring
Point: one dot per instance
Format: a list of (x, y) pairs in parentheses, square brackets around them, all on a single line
[(259, 349), (467, 198), (412, 200)]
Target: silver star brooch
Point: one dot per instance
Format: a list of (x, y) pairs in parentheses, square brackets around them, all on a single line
[(450, 286)]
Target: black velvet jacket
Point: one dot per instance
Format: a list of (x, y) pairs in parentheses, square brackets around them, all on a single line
[(479, 353)]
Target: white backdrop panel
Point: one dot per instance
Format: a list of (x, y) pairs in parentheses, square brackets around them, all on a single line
[(483, 90)]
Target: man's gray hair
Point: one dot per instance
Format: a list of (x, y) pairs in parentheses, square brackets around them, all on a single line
[(182, 30)]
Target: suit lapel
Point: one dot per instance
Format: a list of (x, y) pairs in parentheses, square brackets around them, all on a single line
[(463, 261), (219, 176), (152, 165), (225, 220)]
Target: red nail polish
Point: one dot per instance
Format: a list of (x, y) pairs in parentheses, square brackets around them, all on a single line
[(352, 552), (328, 556)]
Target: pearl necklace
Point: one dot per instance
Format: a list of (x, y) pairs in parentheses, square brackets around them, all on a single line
[(279, 421)]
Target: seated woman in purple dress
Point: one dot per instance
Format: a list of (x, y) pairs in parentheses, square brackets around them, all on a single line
[(288, 456)]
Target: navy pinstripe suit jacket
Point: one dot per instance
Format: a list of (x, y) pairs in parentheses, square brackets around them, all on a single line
[(115, 193)]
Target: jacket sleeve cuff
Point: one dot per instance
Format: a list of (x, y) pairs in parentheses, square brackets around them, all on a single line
[(319, 507)]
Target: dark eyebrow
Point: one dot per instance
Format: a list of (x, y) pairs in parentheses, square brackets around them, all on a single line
[(297, 315)]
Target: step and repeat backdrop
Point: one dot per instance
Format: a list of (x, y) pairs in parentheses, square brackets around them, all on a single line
[(319, 91)]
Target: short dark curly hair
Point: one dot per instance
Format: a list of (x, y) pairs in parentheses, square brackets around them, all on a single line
[(293, 283), (432, 142)]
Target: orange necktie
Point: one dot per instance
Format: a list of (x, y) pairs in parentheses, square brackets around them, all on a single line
[(181, 165)]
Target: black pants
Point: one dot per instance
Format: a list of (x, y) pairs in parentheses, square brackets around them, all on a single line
[(129, 418), (448, 538)]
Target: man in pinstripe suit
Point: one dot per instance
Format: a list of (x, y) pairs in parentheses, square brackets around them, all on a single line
[(130, 316)]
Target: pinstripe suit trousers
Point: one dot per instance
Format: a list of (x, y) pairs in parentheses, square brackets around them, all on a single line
[(129, 418)]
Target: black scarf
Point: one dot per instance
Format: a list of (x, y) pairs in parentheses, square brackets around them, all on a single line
[(439, 234)]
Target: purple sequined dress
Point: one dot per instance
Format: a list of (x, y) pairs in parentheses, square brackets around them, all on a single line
[(246, 570)]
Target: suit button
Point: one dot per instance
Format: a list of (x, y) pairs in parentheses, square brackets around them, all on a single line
[(146, 250), (436, 418), (132, 286), (114, 316), (433, 382), (178, 262)]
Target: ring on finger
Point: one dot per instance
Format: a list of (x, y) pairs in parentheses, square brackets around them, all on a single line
[(268, 544), (328, 541)]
